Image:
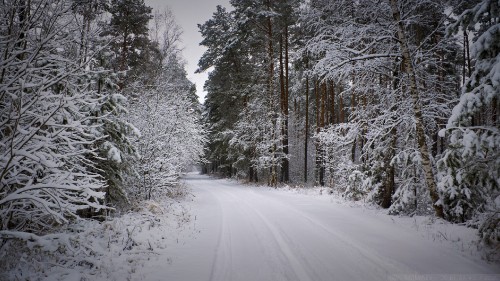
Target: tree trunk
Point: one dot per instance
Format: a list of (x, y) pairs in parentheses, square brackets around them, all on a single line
[(318, 127), (284, 110), (316, 99), (306, 138), (353, 149), (417, 112), (282, 104), (467, 48), (123, 65), (282, 78), (364, 131), (322, 125), (341, 109), (272, 170), (250, 173), (286, 164), (320, 114), (323, 105), (389, 181), (465, 61), (332, 104)]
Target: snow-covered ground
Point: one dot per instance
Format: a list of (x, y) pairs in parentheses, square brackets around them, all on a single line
[(226, 231), (256, 233)]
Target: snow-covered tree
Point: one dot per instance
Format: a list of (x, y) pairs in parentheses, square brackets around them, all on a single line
[(115, 152), (249, 50), (130, 42), (223, 100), (47, 132), (171, 139), (470, 167), (388, 89), (165, 108)]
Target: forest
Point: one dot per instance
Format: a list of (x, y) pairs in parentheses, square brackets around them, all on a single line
[(392, 102)]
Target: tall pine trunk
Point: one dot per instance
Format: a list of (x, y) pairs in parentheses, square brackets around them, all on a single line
[(332, 103), (306, 138), (272, 169), (286, 163), (389, 184), (319, 93), (284, 109)]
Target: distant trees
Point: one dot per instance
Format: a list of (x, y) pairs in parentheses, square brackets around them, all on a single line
[(253, 50), (166, 108)]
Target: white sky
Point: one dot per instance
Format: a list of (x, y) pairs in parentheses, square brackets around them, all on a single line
[(188, 14)]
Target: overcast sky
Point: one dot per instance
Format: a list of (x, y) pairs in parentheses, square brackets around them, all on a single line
[(188, 14)]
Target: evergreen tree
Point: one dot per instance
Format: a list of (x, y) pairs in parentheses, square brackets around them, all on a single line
[(226, 53), (129, 28), (470, 167), (249, 49), (115, 153)]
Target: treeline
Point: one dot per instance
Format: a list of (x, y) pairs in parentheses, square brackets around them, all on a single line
[(96, 112), (392, 101)]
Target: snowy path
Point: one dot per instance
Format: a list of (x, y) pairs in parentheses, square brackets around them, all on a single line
[(249, 233)]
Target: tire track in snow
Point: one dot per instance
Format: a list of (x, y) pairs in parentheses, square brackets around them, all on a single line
[(295, 265), (223, 247), (266, 235), (299, 260), (417, 260), (378, 262)]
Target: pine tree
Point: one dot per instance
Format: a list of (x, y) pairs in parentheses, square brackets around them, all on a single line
[(115, 153), (129, 27), (470, 166), (224, 100), (251, 67)]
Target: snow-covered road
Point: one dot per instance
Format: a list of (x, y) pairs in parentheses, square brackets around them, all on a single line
[(248, 233)]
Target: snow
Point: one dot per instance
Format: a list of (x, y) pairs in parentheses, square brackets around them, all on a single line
[(116, 249), (229, 231), (256, 233), (114, 154)]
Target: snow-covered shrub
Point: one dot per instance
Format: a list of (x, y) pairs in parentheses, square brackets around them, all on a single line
[(355, 186), (46, 131), (341, 173), (171, 138), (489, 233)]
